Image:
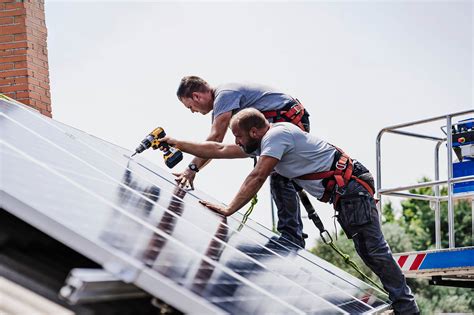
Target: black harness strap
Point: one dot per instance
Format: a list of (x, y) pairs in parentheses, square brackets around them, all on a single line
[(313, 216)]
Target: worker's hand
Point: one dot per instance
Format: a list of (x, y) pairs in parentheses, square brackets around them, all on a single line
[(216, 208), (169, 140), (185, 179)]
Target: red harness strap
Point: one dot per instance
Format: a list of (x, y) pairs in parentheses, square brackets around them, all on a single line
[(340, 176), (293, 115)]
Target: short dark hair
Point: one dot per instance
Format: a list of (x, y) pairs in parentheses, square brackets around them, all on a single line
[(248, 118), (190, 84)]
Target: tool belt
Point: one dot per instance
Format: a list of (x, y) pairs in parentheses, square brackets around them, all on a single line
[(292, 112), (336, 179)]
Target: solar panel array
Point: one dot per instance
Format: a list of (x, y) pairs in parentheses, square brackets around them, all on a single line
[(129, 216)]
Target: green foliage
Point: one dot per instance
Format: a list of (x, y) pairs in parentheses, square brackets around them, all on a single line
[(413, 229), (397, 238), (419, 221), (436, 299), (388, 214)]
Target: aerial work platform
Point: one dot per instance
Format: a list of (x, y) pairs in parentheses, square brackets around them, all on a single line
[(452, 266), (446, 265)]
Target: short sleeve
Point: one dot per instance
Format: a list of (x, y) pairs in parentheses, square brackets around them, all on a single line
[(277, 142), (226, 101)]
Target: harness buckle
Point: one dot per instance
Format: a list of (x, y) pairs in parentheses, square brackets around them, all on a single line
[(341, 166), (340, 190), (329, 238)]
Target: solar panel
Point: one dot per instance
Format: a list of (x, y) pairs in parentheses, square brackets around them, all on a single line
[(129, 216)]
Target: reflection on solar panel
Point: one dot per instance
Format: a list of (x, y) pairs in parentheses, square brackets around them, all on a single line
[(128, 216)]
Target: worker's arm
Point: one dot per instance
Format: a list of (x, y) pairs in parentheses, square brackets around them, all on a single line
[(208, 149), (249, 188), (218, 130)]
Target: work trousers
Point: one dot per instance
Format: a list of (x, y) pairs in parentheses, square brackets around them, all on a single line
[(359, 218), (284, 193)]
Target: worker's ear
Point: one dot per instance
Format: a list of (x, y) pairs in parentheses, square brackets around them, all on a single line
[(195, 96), (253, 132)]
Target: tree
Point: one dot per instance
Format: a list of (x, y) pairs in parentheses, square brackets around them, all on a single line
[(418, 220)]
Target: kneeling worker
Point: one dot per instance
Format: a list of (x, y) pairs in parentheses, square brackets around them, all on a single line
[(323, 171)]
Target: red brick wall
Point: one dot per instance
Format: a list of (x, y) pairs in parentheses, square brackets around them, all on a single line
[(24, 73)]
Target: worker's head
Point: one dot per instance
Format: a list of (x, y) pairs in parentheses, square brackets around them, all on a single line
[(196, 94), (249, 126)]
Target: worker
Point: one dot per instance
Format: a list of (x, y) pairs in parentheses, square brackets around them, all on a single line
[(307, 160), (224, 101)]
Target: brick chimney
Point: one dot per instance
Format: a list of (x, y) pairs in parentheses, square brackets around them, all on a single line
[(24, 73)]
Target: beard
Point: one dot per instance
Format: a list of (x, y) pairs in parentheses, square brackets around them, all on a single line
[(253, 145)]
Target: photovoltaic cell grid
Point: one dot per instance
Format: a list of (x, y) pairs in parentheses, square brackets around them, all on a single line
[(129, 216)]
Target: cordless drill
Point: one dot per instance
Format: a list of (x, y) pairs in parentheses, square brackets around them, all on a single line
[(171, 155)]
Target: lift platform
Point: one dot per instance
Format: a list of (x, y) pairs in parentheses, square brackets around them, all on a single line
[(452, 266), (445, 266)]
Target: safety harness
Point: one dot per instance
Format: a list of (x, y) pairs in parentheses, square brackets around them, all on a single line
[(292, 113), (337, 178)]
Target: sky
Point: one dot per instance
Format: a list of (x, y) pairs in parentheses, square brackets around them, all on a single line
[(357, 66)]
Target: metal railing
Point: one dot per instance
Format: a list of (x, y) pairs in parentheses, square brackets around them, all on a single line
[(436, 199)]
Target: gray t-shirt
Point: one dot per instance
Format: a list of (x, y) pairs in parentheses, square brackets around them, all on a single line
[(234, 97), (299, 153)]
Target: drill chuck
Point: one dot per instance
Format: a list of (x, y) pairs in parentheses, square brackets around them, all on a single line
[(145, 144)]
